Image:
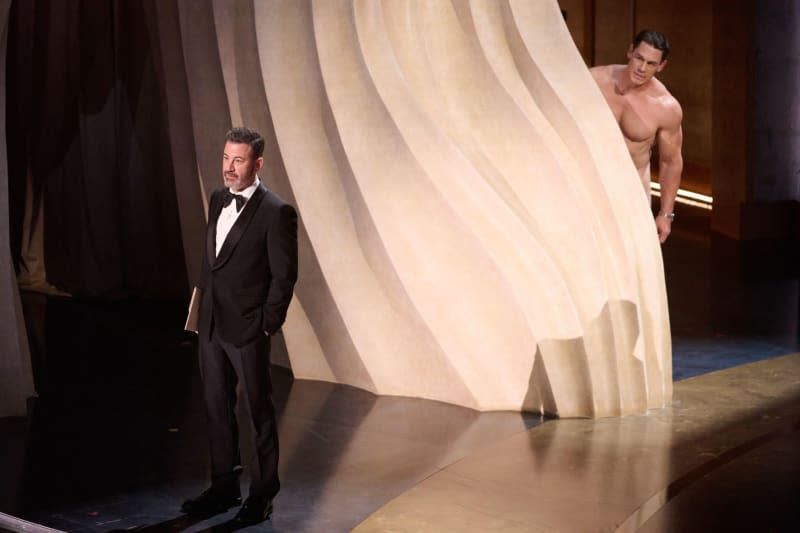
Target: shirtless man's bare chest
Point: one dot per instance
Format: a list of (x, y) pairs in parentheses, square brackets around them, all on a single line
[(647, 115), (638, 113)]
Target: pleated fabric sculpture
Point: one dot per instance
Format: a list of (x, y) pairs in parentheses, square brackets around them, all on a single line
[(473, 230)]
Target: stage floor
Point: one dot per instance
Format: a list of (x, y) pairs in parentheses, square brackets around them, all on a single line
[(117, 439)]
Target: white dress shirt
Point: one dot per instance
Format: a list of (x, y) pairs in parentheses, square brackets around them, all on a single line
[(229, 215)]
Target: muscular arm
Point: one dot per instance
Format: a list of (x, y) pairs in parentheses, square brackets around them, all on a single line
[(670, 166)]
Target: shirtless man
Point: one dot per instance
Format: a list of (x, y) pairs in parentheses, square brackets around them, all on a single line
[(647, 114)]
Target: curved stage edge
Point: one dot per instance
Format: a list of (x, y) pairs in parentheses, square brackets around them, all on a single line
[(635, 473)]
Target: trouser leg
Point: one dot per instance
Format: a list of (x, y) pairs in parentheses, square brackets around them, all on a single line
[(219, 392), (252, 366)]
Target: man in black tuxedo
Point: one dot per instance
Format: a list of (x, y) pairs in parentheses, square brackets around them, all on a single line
[(247, 281)]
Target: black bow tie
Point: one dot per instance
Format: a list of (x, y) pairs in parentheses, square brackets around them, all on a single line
[(229, 197)]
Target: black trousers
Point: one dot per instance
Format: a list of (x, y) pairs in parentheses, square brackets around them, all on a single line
[(222, 367)]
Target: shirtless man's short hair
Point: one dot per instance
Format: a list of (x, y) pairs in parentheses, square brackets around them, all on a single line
[(648, 115)]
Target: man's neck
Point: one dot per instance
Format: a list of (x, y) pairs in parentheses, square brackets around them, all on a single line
[(623, 84)]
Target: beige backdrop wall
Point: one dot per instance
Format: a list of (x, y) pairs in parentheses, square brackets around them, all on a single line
[(473, 230)]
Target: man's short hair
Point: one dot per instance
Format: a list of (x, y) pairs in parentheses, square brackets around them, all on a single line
[(242, 135), (655, 39)]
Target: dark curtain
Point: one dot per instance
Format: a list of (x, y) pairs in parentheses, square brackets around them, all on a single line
[(86, 118)]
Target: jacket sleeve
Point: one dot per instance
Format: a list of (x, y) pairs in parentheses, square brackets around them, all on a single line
[(205, 267), (282, 249)]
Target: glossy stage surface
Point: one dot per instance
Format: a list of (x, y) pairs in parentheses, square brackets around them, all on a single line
[(117, 439)]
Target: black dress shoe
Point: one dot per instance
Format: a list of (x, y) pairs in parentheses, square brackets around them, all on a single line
[(253, 511), (214, 500)]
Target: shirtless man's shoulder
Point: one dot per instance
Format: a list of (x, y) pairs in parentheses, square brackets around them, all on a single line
[(603, 72), (656, 93), (664, 104)]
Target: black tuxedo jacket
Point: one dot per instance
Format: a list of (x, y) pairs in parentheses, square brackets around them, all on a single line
[(246, 290)]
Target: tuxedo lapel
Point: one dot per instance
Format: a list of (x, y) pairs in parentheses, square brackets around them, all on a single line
[(239, 227)]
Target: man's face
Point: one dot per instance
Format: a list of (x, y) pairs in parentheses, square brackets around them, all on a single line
[(644, 62), (239, 167)]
